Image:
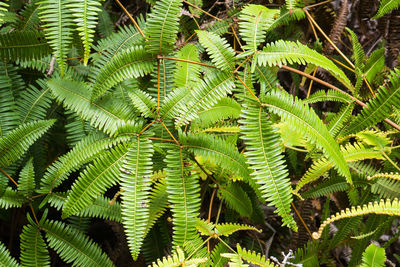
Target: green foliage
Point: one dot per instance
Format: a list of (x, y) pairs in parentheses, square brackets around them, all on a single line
[(385, 7), (174, 129), (373, 256)]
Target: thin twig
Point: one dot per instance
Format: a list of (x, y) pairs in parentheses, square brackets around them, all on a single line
[(311, 83), (9, 177), (205, 12), (161, 139), (209, 213), (318, 4), (147, 126), (248, 89), (34, 214), (327, 38), (301, 219), (176, 141), (131, 18)]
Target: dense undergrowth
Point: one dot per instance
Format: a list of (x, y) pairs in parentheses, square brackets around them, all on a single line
[(199, 133)]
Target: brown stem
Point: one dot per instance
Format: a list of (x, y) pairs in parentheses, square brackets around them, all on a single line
[(301, 219), (131, 18), (205, 12), (34, 214), (9, 177), (176, 141)]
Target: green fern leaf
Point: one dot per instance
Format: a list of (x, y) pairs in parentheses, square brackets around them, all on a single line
[(225, 108), (135, 183), (379, 107), (14, 144), (337, 123), (143, 102), (351, 153), (31, 20), (183, 195), (206, 94), (28, 45), (26, 182), (11, 199), (73, 246), (104, 114), (33, 249), (218, 151), (157, 204), (237, 199), (83, 152), (187, 74), (304, 121), (174, 102), (3, 10), (227, 229), (373, 256), (265, 158), (58, 28), (9, 116), (34, 103), (85, 14), (5, 258), (254, 22), (217, 259), (385, 7), (133, 62), (287, 52), (374, 64), (222, 55), (329, 95), (178, 259), (95, 180), (162, 26), (253, 257)]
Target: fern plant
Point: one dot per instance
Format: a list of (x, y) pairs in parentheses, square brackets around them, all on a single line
[(189, 135)]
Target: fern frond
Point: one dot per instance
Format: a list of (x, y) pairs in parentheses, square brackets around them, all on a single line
[(5, 257), (392, 176), (187, 74), (265, 158), (16, 143), (26, 181), (379, 107), (174, 102), (254, 22), (95, 180), (3, 10), (135, 183), (58, 28), (253, 257), (73, 246), (237, 199), (387, 207), (227, 229), (225, 108), (23, 46), (177, 259), (158, 203), (217, 259), (337, 123), (351, 153), (133, 62), (33, 249), (284, 52), (31, 20), (216, 150), (374, 64), (34, 103), (11, 199), (304, 121), (358, 50), (183, 195), (162, 26), (83, 152), (386, 188), (373, 256), (9, 116), (104, 114), (220, 52), (143, 102), (329, 95), (385, 6), (206, 94), (308, 255), (85, 14)]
